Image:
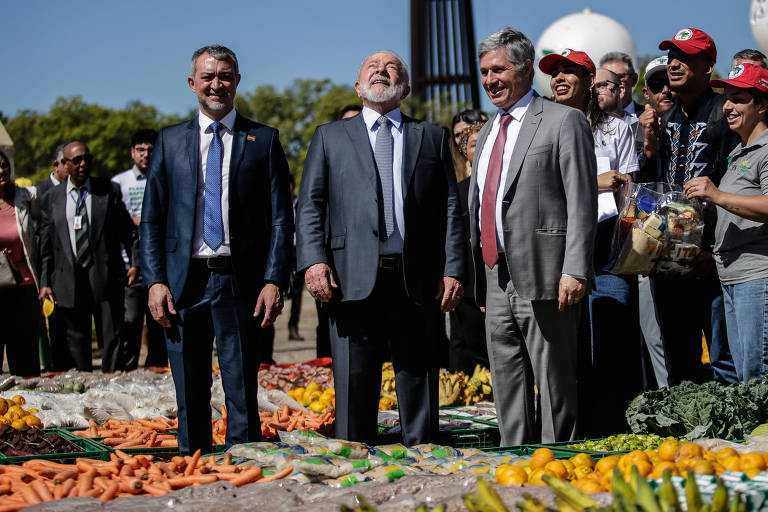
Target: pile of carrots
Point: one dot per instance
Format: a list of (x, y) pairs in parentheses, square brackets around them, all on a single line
[(289, 419), (123, 475), (144, 433)]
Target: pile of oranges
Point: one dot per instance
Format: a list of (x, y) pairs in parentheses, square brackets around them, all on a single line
[(591, 476), (12, 413)]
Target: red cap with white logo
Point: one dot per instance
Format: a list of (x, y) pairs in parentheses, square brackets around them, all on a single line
[(691, 40), (745, 76), (548, 62)]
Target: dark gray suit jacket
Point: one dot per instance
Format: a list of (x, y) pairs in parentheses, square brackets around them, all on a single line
[(549, 208), (110, 225), (338, 216)]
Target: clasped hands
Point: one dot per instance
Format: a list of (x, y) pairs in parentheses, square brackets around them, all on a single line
[(320, 284)]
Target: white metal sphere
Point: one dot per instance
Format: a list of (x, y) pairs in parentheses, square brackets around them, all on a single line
[(758, 20), (595, 34)]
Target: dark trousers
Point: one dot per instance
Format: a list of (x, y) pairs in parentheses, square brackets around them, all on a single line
[(61, 358), (20, 318), (108, 318), (467, 346), (322, 332), (366, 333), (686, 308), (294, 294), (211, 309), (136, 311)]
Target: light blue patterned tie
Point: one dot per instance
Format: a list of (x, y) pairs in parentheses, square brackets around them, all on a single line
[(213, 229), (383, 155)]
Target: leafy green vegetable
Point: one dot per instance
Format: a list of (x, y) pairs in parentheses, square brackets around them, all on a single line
[(701, 410)]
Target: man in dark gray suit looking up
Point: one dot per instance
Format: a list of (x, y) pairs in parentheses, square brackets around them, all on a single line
[(533, 211), (380, 236)]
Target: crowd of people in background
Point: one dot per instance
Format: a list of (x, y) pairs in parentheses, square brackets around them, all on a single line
[(495, 233)]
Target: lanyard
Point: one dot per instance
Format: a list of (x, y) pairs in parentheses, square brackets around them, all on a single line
[(81, 201)]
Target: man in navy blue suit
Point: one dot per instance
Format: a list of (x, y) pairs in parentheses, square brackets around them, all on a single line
[(216, 234)]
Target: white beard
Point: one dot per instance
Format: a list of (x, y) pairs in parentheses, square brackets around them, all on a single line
[(391, 93)]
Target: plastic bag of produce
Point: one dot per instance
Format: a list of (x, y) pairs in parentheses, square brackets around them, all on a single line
[(330, 466), (394, 452), (348, 449), (658, 230), (434, 450)]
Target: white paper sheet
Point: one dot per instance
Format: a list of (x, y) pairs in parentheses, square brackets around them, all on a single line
[(606, 204)]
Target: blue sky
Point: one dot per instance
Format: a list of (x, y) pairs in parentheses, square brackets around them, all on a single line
[(112, 52)]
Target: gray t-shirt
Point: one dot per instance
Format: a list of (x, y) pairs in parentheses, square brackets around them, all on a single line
[(741, 245)]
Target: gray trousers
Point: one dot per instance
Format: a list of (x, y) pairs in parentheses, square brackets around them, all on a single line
[(530, 342), (649, 325)]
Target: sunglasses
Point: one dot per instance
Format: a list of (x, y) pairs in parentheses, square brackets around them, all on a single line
[(605, 85), (87, 158), (657, 86)]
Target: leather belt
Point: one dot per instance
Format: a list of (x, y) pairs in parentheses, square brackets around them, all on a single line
[(220, 264), (390, 262)]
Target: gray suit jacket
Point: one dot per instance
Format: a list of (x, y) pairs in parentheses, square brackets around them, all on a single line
[(549, 209), (338, 216)]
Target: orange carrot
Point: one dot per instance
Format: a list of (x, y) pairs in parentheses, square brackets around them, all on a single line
[(193, 464), (155, 490), (30, 495), (277, 476), (109, 492), (62, 490), (247, 476), (185, 481), (131, 485), (42, 490), (85, 481)]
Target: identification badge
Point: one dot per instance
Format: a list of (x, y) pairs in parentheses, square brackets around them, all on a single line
[(77, 222)]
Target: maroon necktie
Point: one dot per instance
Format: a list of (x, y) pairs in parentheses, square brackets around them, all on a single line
[(492, 176)]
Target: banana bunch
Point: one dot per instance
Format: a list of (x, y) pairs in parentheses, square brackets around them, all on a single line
[(450, 387), (486, 499), (479, 387), (388, 399)]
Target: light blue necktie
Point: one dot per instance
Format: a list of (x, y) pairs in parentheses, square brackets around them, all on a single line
[(213, 229), (382, 152)]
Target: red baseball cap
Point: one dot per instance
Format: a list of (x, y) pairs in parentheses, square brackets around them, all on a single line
[(548, 62), (691, 40), (745, 76)]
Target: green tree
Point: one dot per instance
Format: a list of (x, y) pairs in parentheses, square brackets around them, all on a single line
[(296, 111), (106, 131)]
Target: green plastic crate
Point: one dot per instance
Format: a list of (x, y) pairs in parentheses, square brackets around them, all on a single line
[(89, 450), (471, 438), (564, 446)]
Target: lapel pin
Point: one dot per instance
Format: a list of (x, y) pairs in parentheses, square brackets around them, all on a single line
[(251, 138)]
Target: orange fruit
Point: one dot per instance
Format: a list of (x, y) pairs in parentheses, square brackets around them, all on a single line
[(582, 471), (719, 468), (703, 467), (709, 455), (557, 468), (508, 474), (536, 474), (661, 467), (591, 486), (689, 450), (751, 461), (725, 453), (33, 421), (606, 464), (18, 424), (730, 463), (540, 458), (644, 467), (752, 472), (765, 458), (18, 400), (583, 459), (668, 449)]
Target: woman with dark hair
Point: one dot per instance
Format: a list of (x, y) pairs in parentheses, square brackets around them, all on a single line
[(19, 307), (741, 232), (462, 121), (609, 338)]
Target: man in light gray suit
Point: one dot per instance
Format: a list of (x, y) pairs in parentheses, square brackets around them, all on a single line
[(380, 236), (533, 210)]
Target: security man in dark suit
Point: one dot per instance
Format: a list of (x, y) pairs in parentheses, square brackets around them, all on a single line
[(83, 223), (381, 238), (216, 234)]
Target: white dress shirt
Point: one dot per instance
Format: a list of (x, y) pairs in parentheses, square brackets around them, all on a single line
[(54, 180), (199, 248), (517, 111), (394, 244), (71, 209)]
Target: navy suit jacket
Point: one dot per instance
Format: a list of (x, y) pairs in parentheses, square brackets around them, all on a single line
[(260, 211), (338, 214)]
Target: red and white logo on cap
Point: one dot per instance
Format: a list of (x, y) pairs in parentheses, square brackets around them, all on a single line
[(684, 34), (566, 52), (736, 72)]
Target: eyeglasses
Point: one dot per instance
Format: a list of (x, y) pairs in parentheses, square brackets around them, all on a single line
[(143, 149), (87, 158), (605, 85), (657, 86)]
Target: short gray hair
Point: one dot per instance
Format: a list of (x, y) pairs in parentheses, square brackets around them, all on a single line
[(403, 65), (749, 54), (619, 56), (218, 52), (58, 153), (519, 48)]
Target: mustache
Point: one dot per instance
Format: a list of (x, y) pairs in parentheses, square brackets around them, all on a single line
[(379, 77)]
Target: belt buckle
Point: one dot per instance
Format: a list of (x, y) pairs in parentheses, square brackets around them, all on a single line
[(388, 262), (216, 263)]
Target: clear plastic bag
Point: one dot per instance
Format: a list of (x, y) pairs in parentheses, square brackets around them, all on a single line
[(659, 230)]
